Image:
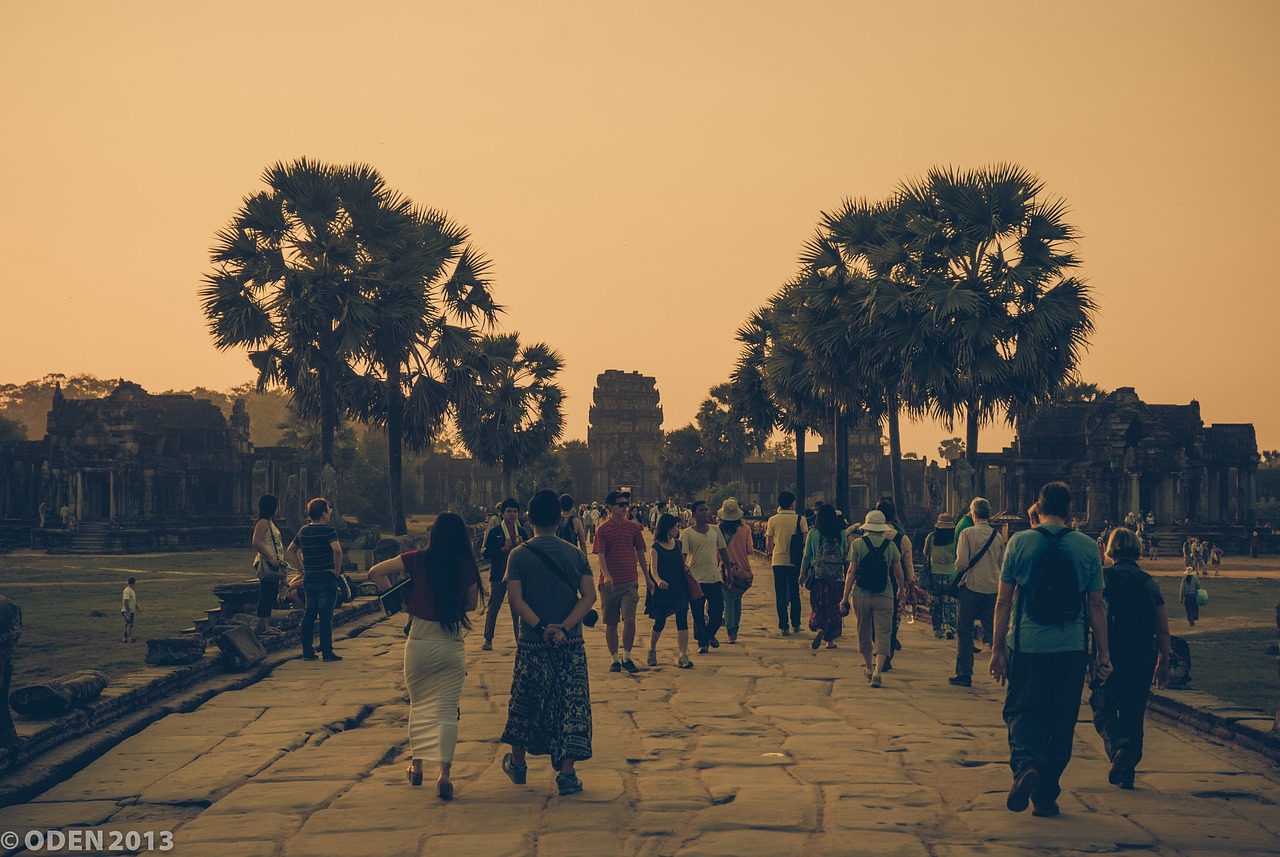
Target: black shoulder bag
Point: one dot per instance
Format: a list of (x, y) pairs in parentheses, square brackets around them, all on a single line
[(592, 616)]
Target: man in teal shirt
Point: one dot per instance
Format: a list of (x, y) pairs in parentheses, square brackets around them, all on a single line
[(1045, 663)]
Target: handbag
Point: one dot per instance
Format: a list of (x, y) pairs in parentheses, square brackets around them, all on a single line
[(795, 549), (953, 588), (268, 572)]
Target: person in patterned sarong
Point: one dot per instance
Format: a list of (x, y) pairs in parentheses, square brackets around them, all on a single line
[(550, 586), (822, 571)]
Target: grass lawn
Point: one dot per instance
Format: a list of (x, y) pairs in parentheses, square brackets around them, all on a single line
[(62, 596), (1229, 642)]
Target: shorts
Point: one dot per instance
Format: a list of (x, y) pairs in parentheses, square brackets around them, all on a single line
[(127, 616), (619, 601)]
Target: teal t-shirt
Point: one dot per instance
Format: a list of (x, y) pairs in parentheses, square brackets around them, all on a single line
[(858, 549), (1020, 560)]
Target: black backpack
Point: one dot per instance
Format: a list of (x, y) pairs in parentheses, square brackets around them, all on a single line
[(872, 573), (1054, 588), (1131, 615)]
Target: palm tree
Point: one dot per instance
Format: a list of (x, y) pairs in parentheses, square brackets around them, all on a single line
[(518, 413), (991, 253), (429, 292), (288, 282)]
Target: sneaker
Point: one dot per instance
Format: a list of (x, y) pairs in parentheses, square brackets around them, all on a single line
[(1045, 810), (568, 784), (515, 773), (715, 644), (961, 681), (652, 660), (888, 667), (332, 656), (615, 667), (875, 679), (784, 632), (310, 656), (1023, 785), (1126, 782), (684, 663), (630, 666), (702, 650), (1121, 766), (733, 638), (795, 629), (867, 673)]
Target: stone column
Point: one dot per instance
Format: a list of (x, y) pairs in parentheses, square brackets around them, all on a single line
[(1135, 492), (111, 493), (78, 505), (1233, 495), (1213, 514), (1250, 497)]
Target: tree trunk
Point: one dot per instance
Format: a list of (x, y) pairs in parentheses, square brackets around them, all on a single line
[(971, 447), (395, 449), (895, 457), (800, 433), (328, 421), (842, 460)]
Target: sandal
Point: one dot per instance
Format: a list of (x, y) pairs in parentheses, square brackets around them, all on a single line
[(487, 646), (516, 773), (444, 791), (414, 777)]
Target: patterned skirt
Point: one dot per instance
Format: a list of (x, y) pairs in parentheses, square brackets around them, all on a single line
[(824, 599), (550, 709)]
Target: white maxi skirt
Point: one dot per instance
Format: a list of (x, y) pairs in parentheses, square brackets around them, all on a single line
[(434, 669)]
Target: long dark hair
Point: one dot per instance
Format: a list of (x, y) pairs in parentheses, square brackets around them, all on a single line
[(943, 536), (729, 528), (451, 569), (267, 505), (665, 523), (826, 524)]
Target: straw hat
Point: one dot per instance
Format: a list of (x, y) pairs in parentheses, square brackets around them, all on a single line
[(730, 510), (946, 521)]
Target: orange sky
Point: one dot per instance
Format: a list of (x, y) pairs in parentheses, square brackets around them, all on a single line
[(659, 163)]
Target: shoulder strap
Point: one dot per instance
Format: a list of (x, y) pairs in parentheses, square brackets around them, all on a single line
[(551, 566), (980, 555)]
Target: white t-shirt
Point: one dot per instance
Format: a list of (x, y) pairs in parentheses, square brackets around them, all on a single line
[(703, 551), (128, 600)]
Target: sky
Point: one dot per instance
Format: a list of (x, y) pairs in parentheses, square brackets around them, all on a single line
[(643, 175)]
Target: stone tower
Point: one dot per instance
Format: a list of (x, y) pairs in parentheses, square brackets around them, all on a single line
[(625, 434)]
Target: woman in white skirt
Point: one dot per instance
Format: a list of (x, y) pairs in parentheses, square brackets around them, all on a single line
[(446, 585)]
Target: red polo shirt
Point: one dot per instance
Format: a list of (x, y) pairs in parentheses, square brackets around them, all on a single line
[(618, 541)]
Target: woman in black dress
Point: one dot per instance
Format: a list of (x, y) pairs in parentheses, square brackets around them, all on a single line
[(667, 592)]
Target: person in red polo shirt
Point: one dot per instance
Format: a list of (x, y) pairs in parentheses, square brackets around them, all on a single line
[(621, 548)]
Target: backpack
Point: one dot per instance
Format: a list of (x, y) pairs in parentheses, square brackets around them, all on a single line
[(872, 573), (1054, 588), (1131, 617), (796, 546), (828, 564), (566, 531)]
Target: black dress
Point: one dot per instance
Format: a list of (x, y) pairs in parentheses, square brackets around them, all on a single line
[(675, 598)]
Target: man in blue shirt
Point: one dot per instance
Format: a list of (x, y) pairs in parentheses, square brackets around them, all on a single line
[(1044, 663)]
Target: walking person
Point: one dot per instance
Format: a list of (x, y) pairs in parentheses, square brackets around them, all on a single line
[(129, 609), (620, 545), (874, 563), (269, 561), (667, 589), (571, 528), (317, 551), (738, 545), (1051, 585), (903, 543), (940, 560), (1138, 637), (549, 585), (822, 571), (979, 557), (786, 565), (1188, 593), (503, 537), (706, 550), (445, 588)]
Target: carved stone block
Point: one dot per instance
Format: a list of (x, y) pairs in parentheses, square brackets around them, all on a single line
[(175, 651), (59, 695), (240, 647)]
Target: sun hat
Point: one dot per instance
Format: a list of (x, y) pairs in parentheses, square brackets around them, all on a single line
[(730, 510), (875, 523), (946, 521)]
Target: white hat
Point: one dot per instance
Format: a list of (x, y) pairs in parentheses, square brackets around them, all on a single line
[(875, 523)]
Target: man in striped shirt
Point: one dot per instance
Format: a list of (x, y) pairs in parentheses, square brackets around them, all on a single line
[(317, 551)]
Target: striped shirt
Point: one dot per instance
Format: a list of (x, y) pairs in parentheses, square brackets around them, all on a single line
[(315, 540)]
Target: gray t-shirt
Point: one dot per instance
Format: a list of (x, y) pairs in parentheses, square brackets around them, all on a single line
[(545, 591)]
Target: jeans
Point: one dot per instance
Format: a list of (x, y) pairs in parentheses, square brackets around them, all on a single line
[(708, 612), (322, 594), (786, 594), (497, 598), (973, 605), (1120, 704), (732, 611), (1040, 709)]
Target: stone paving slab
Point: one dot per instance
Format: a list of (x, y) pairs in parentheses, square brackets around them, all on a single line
[(765, 748)]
